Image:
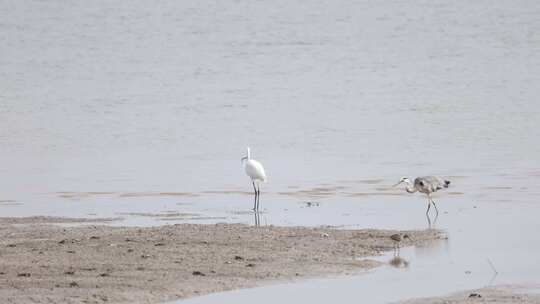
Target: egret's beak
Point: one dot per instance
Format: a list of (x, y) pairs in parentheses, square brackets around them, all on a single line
[(399, 183)]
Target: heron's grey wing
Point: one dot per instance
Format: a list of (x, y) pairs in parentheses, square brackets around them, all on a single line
[(430, 183), (421, 181)]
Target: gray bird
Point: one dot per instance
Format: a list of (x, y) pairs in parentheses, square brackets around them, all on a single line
[(425, 184), (397, 238)]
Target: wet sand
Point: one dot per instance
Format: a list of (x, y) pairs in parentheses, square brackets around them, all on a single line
[(495, 295), (44, 263)]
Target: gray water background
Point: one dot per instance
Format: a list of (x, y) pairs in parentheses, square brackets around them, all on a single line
[(111, 108)]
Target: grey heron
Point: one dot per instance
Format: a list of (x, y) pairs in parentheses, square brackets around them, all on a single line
[(425, 184)]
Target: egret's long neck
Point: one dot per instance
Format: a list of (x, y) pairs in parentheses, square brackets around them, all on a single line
[(248, 154), (410, 188)]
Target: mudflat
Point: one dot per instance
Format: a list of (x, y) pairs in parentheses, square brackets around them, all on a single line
[(494, 294), (45, 263)]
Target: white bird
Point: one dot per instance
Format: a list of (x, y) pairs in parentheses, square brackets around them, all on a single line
[(255, 171), (427, 185)]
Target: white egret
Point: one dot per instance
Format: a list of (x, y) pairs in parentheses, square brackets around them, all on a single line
[(255, 171), (427, 185)]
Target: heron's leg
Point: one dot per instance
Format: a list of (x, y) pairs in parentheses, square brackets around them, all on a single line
[(255, 202), (428, 206), (428, 220), (433, 202)]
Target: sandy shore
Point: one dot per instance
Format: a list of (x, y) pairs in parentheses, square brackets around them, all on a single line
[(43, 263), (494, 295)]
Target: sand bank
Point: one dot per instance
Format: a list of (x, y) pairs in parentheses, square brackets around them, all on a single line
[(494, 295), (43, 263)]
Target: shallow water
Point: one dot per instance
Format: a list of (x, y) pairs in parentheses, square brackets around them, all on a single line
[(118, 109), (477, 232)]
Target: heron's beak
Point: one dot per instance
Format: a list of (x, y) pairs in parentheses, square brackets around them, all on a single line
[(397, 184)]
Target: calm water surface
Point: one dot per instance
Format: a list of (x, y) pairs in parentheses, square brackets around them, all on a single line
[(113, 108)]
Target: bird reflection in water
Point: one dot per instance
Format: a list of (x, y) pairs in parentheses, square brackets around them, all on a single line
[(398, 262)]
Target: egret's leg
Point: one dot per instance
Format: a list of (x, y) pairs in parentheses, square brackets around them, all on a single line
[(258, 196), (255, 202), (257, 220)]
